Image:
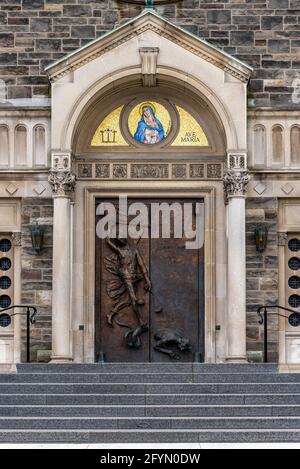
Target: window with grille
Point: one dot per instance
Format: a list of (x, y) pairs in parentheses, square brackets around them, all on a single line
[(6, 274), (292, 277)]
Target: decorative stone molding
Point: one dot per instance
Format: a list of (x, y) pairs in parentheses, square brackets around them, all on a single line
[(85, 170), (179, 171), (120, 171), (149, 170), (214, 171), (282, 238), (197, 171), (235, 183), (149, 65), (16, 238), (102, 171), (237, 161), (61, 161), (149, 21), (62, 182)]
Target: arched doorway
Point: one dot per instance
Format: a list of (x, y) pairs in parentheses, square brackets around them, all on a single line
[(148, 59), (129, 138)]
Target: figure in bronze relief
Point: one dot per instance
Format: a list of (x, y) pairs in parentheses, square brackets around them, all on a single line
[(168, 338), (129, 268)]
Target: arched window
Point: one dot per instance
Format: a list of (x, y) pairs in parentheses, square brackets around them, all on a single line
[(20, 145), (277, 144), (295, 145), (39, 146), (259, 145), (4, 146)]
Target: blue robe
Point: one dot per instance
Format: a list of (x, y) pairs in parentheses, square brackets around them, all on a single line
[(142, 126)]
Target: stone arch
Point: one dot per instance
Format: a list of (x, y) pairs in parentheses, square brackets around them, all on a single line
[(278, 144), (20, 144), (295, 144), (110, 82)]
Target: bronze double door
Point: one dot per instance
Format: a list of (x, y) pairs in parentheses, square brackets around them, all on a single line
[(134, 324)]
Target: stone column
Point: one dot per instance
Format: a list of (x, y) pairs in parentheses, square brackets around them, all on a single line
[(235, 183), (63, 183)]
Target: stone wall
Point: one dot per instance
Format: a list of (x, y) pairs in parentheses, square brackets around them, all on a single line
[(262, 275), (36, 273), (263, 33)]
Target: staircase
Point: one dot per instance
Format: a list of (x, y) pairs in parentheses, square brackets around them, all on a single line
[(106, 403)]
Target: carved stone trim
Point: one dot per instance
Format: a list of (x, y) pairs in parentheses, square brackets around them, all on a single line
[(16, 238), (61, 161), (157, 25), (62, 182), (102, 171), (149, 170), (282, 238), (120, 171), (179, 171), (85, 171), (237, 161), (149, 65), (197, 171), (235, 183)]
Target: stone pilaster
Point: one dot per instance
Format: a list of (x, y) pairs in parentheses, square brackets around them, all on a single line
[(62, 182), (282, 242), (235, 184)]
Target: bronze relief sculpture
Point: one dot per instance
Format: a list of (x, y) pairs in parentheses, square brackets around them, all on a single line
[(129, 268), (168, 338)]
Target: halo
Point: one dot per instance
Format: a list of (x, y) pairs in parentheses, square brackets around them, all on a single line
[(147, 104)]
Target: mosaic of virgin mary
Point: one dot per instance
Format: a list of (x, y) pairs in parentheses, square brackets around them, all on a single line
[(149, 129)]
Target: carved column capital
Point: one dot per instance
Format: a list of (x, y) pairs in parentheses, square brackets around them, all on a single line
[(16, 238), (235, 183), (282, 238), (62, 182)]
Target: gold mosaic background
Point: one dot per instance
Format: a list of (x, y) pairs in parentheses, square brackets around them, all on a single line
[(111, 122), (191, 133)]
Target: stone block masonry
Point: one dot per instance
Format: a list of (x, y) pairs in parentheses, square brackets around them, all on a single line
[(262, 275), (36, 273), (263, 33)]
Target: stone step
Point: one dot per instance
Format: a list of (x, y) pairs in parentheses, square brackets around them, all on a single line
[(149, 402), (149, 399), (150, 423), (150, 411), (184, 378), (169, 367), (124, 388), (152, 436)]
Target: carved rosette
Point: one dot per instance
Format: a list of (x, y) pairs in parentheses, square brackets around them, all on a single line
[(235, 183), (62, 182)]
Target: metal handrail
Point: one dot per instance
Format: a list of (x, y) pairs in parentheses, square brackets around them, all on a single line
[(263, 319), (30, 319)]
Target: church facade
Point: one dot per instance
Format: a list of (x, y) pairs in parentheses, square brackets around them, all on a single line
[(194, 105)]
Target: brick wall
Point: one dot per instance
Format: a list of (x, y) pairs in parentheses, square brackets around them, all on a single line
[(263, 33), (262, 275), (36, 272)]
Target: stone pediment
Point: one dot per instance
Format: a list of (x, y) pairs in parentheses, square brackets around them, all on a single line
[(149, 21)]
